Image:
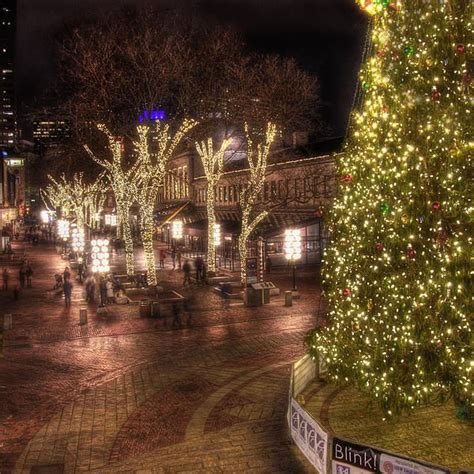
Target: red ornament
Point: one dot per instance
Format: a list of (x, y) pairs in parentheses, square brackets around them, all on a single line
[(460, 48), (393, 6), (347, 178), (466, 79), (436, 206), (411, 253), (380, 53), (435, 95), (379, 246), (346, 292), (385, 109)]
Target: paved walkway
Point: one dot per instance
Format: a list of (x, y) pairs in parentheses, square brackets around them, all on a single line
[(125, 394)]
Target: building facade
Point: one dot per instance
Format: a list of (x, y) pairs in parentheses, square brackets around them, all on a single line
[(7, 60)]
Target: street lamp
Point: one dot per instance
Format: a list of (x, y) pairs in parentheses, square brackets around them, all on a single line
[(292, 248), (63, 229), (78, 239), (100, 255), (177, 229)]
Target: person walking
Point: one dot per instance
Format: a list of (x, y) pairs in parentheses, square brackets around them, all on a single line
[(110, 291), (5, 278), (90, 288), (66, 274), (187, 273), (67, 289), (80, 269), (199, 263), (103, 292), (173, 257), (162, 258), (29, 275), (22, 275)]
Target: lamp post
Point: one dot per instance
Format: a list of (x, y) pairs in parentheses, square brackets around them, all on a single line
[(217, 239), (176, 231), (100, 264), (292, 248)]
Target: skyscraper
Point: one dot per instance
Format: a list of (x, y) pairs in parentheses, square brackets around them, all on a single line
[(7, 60)]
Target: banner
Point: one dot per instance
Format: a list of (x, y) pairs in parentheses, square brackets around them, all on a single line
[(309, 437), (394, 465), (356, 455)]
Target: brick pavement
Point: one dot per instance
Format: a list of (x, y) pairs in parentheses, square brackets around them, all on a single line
[(127, 394)]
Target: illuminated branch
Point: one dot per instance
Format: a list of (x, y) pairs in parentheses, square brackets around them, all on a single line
[(121, 181), (213, 164), (154, 147), (257, 156)]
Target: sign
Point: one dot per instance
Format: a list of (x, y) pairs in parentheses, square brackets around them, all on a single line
[(251, 266), (309, 437), (394, 465), (339, 467), (356, 455)]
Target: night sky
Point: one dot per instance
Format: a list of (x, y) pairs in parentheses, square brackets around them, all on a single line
[(325, 36)]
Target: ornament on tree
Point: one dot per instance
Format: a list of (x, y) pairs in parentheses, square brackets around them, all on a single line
[(370, 305), (379, 246), (435, 95), (408, 51), (347, 178), (366, 86), (346, 293), (441, 238), (405, 218), (436, 206), (429, 62), (384, 208), (411, 252), (460, 48)]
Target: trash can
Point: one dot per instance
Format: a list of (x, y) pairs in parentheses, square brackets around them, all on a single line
[(83, 316), (155, 309), (145, 309), (288, 298)]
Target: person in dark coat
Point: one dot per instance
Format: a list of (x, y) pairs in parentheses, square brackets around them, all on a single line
[(29, 275), (67, 288)]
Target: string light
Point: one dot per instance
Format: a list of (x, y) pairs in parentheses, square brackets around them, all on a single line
[(292, 244), (122, 182), (77, 239), (213, 164), (257, 156), (63, 229), (154, 147), (397, 269), (177, 229), (217, 237)]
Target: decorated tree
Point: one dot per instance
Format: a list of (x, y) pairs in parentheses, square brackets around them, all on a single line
[(121, 179), (213, 164), (251, 215), (154, 146), (397, 270)]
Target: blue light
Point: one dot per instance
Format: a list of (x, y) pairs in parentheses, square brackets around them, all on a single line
[(151, 115), (4, 153)]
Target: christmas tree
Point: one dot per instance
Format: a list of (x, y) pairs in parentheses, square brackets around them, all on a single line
[(397, 271)]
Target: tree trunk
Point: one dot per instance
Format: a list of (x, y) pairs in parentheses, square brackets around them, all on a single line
[(147, 226), (124, 223), (243, 258), (211, 221)]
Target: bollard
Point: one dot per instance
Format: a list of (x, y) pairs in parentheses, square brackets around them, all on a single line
[(83, 316), (288, 298), (7, 321)]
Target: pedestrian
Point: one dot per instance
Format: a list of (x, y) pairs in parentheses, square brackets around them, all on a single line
[(176, 316), (66, 274), (173, 257), (162, 258), (199, 262), (67, 289), (90, 288), (110, 291), (80, 269), (103, 292), (29, 275), (22, 275), (187, 272), (178, 256), (5, 278)]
